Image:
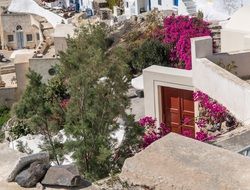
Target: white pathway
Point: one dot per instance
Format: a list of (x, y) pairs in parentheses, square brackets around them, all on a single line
[(31, 7)]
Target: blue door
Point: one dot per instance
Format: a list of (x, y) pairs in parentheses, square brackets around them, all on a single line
[(77, 3), (20, 39), (175, 2)]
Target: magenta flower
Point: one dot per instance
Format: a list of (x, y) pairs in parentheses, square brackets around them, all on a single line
[(177, 31)]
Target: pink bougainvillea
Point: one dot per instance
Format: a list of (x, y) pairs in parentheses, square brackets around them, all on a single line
[(152, 133), (64, 103), (211, 115), (177, 31)]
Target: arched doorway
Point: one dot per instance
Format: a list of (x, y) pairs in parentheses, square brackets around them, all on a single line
[(19, 36)]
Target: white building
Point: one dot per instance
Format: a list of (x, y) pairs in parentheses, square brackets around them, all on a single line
[(135, 7), (235, 35), (80, 5)]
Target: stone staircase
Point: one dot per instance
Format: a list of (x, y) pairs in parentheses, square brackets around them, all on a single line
[(190, 6), (216, 35), (7, 69)]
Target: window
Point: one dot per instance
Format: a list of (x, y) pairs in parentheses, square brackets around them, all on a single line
[(175, 2), (127, 4), (19, 27), (29, 37), (10, 38), (52, 72), (159, 2), (37, 36)]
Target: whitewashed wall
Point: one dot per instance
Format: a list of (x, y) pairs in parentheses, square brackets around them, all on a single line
[(219, 84)]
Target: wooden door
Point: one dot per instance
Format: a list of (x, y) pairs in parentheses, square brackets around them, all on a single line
[(178, 110)]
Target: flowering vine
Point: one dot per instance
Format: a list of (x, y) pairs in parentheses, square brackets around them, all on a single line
[(213, 117), (177, 32), (152, 133)]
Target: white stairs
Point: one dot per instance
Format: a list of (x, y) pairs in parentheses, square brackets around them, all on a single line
[(190, 7)]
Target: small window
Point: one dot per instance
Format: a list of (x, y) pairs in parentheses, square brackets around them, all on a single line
[(37, 36), (176, 2), (52, 72), (19, 27), (159, 2), (29, 37), (127, 4), (10, 38)]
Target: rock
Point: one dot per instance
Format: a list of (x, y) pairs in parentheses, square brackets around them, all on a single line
[(39, 186), (26, 161), (175, 162), (67, 175), (133, 18), (34, 174)]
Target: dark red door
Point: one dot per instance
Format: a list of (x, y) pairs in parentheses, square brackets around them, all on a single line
[(178, 110)]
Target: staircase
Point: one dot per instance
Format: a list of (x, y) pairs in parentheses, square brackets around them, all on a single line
[(9, 68), (190, 7), (216, 35)]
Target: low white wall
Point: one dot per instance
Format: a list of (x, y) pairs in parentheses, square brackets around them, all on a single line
[(224, 87), (219, 84), (240, 58), (156, 76), (234, 40)]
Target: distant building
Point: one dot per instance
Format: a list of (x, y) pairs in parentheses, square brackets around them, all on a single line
[(135, 7), (235, 35), (78, 5), (19, 31)]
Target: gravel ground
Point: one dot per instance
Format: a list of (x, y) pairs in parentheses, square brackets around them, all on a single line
[(137, 104)]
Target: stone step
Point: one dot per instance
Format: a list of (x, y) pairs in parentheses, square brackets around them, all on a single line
[(7, 70)]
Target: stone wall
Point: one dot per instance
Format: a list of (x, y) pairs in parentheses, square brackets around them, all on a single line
[(60, 44), (8, 96)]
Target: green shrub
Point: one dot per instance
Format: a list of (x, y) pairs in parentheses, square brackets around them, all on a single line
[(4, 115), (151, 52), (20, 129)]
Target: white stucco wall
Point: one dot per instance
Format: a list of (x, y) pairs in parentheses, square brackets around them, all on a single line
[(135, 5), (166, 4), (219, 84), (234, 40), (239, 58), (224, 87)]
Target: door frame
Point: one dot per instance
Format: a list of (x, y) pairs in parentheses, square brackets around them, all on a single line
[(158, 99), (156, 76)]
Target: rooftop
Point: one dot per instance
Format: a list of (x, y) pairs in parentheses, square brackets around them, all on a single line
[(238, 20), (63, 30)]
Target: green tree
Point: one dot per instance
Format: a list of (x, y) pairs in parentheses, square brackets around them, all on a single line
[(4, 115), (40, 111), (151, 52), (97, 82)]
